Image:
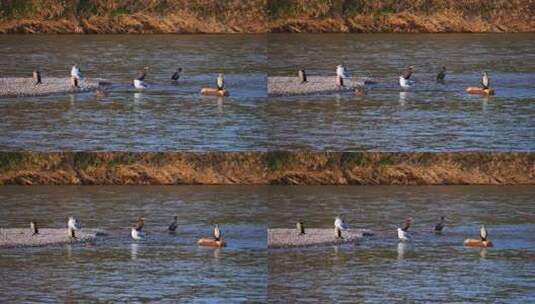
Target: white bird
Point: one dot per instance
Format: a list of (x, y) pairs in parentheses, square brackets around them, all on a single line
[(139, 82), (137, 232), (485, 80), (339, 223), (404, 80), (403, 233), (483, 233), (340, 71), (75, 72), (73, 223), (217, 233), (220, 82)]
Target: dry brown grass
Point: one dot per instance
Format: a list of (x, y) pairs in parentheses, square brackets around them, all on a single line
[(318, 168), (255, 16)]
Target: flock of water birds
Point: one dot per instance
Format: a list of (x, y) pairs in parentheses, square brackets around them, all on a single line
[(136, 232), (403, 232), (138, 82)]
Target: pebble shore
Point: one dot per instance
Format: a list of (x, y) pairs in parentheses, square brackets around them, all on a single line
[(18, 86), (289, 86), (283, 238), (22, 237)]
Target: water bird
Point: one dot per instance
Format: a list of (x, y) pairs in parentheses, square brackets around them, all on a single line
[(73, 223), (75, 72), (300, 228), (33, 227), (340, 75), (37, 77), (217, 232), (173, 225), (441, 75), (485, 80), (339, 226), (440, 225), (176, 75), (139, 82), (302, 76), (404, 80), (220, 83), (483, 233), (403, 233), (137, 232)]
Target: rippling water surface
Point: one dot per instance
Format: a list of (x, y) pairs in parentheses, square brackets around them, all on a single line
[(172, 267), (168, 117)]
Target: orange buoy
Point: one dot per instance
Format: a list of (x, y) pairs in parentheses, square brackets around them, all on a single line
[(477, 243), (214, 92), (479, 91), (211, 243)]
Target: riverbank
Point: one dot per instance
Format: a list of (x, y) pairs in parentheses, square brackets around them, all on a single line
[(19, 86), (258, 16), (286, 168)]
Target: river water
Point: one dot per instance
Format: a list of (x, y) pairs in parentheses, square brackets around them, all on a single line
[(173, 268), (169, 117)]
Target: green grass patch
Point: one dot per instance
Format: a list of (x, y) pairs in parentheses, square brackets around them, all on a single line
[(279, 160)]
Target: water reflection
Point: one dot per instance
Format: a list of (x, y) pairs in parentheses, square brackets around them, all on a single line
[(134, 250), (403, 248)]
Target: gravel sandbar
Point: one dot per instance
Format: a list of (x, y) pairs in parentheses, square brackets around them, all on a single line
[(281, 237), (288, 86), (22, 237), (18, 86)]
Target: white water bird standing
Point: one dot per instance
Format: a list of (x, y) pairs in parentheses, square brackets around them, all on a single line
[(340, 75), (137, 232), (76, 76), (172, 227), (300, 228), (73, 223), (37, 77), (139, 82), (220, 83), (404, 80), (485, 80), (483, 233), (339, 226), (403, 233), (33, 227), (440, 226), (217, 232), (302, 76)]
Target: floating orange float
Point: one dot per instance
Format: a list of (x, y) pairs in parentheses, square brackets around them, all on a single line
[(214, 92), (477, 243), (211, 243), (479, 91)]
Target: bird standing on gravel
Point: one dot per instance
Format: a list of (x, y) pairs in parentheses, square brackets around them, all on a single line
[(339, 226), (302, 76), (33, 227), (340, 75), (37, 77), (300, 228), (72, 226)]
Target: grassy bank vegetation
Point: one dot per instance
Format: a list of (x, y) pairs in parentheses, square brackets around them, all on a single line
[(296, 168), (401, 15), (132, 16), (254, 16)]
